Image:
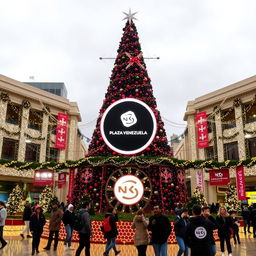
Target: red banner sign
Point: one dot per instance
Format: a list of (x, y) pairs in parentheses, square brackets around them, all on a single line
[(202, 130), (240, 183), (61, 179), (71, 183), (43, 178), (61, 131), (219, 177), (200, 179)]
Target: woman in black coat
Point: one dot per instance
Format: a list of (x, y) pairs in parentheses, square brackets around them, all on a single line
[(224, 222), (37, 222)]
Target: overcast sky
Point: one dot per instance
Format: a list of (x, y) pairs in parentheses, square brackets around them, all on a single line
[(203, 45)]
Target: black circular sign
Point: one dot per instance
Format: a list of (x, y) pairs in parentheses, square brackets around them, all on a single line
[(128, 126)]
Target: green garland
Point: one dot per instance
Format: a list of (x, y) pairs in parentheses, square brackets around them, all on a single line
[(34, 138), (141, 161), (4, 96), (229, 137), (8, 132)]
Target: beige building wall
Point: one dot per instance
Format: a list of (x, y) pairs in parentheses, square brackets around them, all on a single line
[(215, 104), (38, 99)]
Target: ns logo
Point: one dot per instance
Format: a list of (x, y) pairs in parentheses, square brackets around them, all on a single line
[(128, 190)]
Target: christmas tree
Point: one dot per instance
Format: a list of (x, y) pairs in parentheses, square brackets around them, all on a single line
[(130, 79), (14, 203), (197, 198), (231, 200), (45, 198)]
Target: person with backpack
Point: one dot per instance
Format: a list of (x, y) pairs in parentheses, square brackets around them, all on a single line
[(235, 226), (160, 228), (68, 221), (224, 230), (199, 233), (180, 227), (141, 237), (54, 226), (26, 218), (3, 216), (36, 225), (110, 231), (85, 230)]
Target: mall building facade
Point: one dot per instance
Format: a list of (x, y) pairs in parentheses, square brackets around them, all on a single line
[(28, 120), (231, 116)]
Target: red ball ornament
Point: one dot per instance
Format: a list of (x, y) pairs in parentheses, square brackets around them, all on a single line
[(101, 138), (95, 185), (177, 187), (101, 149), (113, 100), (148, 148), (166, 190)]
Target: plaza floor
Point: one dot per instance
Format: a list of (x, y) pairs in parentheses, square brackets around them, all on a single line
[(18, 247)]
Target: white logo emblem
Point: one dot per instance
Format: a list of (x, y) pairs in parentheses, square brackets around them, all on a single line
[(219, 174), (128, 119), (128, 190), (200, 232)]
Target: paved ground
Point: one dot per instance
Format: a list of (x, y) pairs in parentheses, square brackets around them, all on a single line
[(16, 247)]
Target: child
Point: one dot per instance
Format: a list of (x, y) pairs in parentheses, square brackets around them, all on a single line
[(235, 226)]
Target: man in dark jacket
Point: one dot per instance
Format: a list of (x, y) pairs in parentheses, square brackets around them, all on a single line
[(246, 218), (86, 231), (160, 227), (68, 221), (112, 217), (207, 215), (180, 227), (253, 218), (26, 218), (199, 233)]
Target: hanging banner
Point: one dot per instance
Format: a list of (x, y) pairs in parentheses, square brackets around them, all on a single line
[(240, 183), (200, 179), (43, 178), (202, 130), (219, 177), (71, 183), (61, 131), (61, 179)]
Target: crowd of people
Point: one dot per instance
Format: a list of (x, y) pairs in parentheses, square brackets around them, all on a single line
[(195, 233)]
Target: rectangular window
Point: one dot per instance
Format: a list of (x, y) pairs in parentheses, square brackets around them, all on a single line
[(10, 149), (13, 114), (209, 153), (252, 147), (250, 115), (228, 119), (32, 152), (53, 124), (231, 151), (52, 155), (35, 120)]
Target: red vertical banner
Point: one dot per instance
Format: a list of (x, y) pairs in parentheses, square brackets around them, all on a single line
[(71, 183), (200, 179), (61, 131), (240, 183), (202, 130), (61, 179)]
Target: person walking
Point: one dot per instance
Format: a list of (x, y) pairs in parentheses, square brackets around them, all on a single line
[(180, 227), (26, 218), (68, 220), (224, 223), (160, 227), (111, 234), (140, 224), (235, 227), (206, 213), (86, 230), (246, 214), (36, 225), (54, 226), (3, 216), (199, 233), (253, 218)]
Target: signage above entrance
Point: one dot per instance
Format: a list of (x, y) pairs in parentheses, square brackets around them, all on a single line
[(128, 126)]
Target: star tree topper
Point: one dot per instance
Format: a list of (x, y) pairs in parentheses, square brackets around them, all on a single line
[(129, 16)]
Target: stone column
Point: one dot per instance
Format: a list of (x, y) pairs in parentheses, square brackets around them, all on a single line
[(23, 128), (44, 134), (240, 129), (220, 147), (72, 138), (3, 109)]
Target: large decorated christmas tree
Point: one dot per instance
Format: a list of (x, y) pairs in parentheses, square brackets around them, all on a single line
[(130, 83), (231, 199), (14, 203)]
